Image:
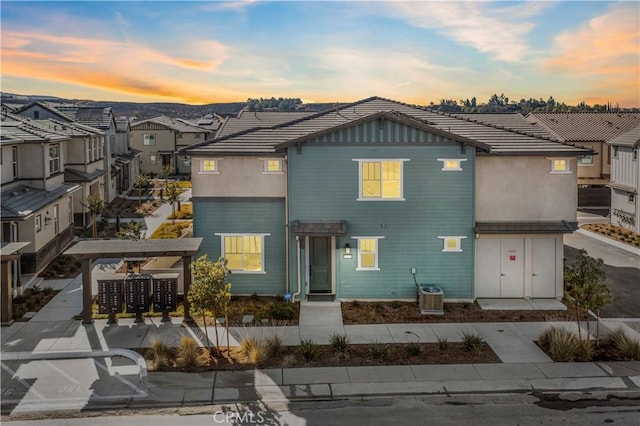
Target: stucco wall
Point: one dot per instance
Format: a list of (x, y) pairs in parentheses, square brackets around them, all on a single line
[(522, 188)]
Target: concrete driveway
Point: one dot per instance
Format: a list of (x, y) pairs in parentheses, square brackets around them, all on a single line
[(623, 273)]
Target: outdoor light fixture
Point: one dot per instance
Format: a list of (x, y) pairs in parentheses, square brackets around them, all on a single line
[(347, 251)]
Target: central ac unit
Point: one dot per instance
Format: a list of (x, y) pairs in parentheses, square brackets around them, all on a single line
[(431, 300)]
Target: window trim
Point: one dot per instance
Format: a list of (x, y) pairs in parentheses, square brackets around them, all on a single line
[(634, 154), (246, 234), (54, 162), (458, 161), (560, 172), (153, 159), (265, 168), (147, 137), (582, 158), (631, 197), (14, 162), (457, 238), (380, 160), (376, 266), (38, 222), (216, 171), (615, 152)]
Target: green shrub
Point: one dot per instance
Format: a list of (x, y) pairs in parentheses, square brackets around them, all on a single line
[(396, 305), (443, 343), (339, 343), (627, 348), (472, 342), (413, 349), (282, 311), (274, 345), (308, 349), (379, 350), (564, 345), (46, 291), (355, 304), (188, 353), (254, 348)]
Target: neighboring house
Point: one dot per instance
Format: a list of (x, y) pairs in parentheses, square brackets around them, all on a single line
[(37, 204), (344, 203), (210, 122), (247, 120), (625, 180), (159, 139), (593, 130), (127, 159)]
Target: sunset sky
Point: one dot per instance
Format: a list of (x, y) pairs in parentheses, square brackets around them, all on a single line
[(322, 51)]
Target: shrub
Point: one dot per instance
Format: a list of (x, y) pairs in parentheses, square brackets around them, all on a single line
[(339, 343), (413, 349), (626, 347), (254, 348), (443, 344), (472, 342), (308, 349), (379, 350), (584, 351), (564, 345), (46, 291), (355, 304), (282, 311), (275, 345), (188, 352), (160, 353), (396, 305)]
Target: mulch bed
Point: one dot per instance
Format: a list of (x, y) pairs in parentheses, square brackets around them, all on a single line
[(33, 302)]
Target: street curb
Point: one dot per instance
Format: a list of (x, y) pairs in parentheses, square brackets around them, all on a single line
[(609, 241)]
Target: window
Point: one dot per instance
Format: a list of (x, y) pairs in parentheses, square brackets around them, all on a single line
[(244, 252), (452, 164), (615, 152), (153, 160), (560, 165), (209, 166), (631, 197), (38, 223), (36, 115), (367, 253), (635, 154), (148, 139), (273, 165), (585, 159), (112, 143), (186, 161), (380, 180), (452, 243), (54, 158), (14, 161), (96, 155)]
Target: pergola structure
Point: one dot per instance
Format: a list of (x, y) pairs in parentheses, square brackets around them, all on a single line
[(89, 250), (8, 253)]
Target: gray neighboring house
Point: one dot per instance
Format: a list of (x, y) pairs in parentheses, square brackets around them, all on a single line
[(254, 119), (625, 180), (37, 203), (126, 159)]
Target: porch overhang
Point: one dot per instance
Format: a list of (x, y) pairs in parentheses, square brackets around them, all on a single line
[(543, 227), (320, 229)]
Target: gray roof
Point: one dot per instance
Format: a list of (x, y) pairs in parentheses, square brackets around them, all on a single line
[(176, 124), (487, 137), (20, 202), (142, 248), (509, 121), (546, 227), (585, 126), (629, 138), (99, 117), (17, 129), (71, 175), (259, 119), (122, 124)]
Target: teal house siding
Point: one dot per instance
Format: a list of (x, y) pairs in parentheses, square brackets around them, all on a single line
[(323, 186), (245, 215)]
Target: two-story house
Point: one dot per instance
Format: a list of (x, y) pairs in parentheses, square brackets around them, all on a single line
[(593, 130), (347, 203), (159, 139), (37, 203), (127, 159), (625, 180)]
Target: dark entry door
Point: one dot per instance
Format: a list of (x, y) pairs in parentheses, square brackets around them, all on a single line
[(320, 265)]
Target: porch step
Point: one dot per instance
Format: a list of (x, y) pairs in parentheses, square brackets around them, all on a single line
[(321, 297)]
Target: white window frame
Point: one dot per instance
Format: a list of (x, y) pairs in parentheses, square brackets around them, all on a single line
[(148, 138), (631, 197), (246, 234), (266, 170), (376, 266), (553, 170), (634, 154), (153, 159), (585, 160), (14, 162), (54, 162), (38, 222), (215, 171), (452, 164), (380, 160), (449, 238), (615, 152)]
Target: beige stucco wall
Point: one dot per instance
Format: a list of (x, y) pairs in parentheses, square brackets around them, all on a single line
[(27, 231), (510, 188), (247, 170), (7, 169), (599, 168), (165, 142)]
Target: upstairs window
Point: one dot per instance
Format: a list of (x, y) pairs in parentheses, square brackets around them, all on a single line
[(560, 165), (585, 159), (380, 180), (273, 165), (452, 164), (14, 161), (38, 223), (148, 139), (452, 243), (36, 115), (209, 166), (631, 197), (615, 152), (635, 154), (54, 158)]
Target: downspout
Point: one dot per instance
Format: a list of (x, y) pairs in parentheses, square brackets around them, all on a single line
[(15, 274), (286, 227), (44, 168), (297, 293)]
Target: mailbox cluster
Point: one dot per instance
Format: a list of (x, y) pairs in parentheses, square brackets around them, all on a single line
[(135, 293)]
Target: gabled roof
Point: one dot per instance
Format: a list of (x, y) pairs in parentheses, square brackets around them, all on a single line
[(20, 202), (509, 121), (123, 124), (98, 117), (71, 175), (629, 138), (47, 106), (490, 138), (585, 126), (176, 124), (18, 129), (257, 119)]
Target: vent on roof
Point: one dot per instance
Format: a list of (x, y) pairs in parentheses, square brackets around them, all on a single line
[(25, 189), (14, 194)]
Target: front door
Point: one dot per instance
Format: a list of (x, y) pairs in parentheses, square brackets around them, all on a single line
[(544, 267), (512, 268), (320, 265)]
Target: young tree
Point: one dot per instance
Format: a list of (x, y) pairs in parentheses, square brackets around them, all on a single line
[(142, 181), (209, 286), (599, 296), (167, 171), (172, 195), (96, 205), (131, 231), (581, 279)]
